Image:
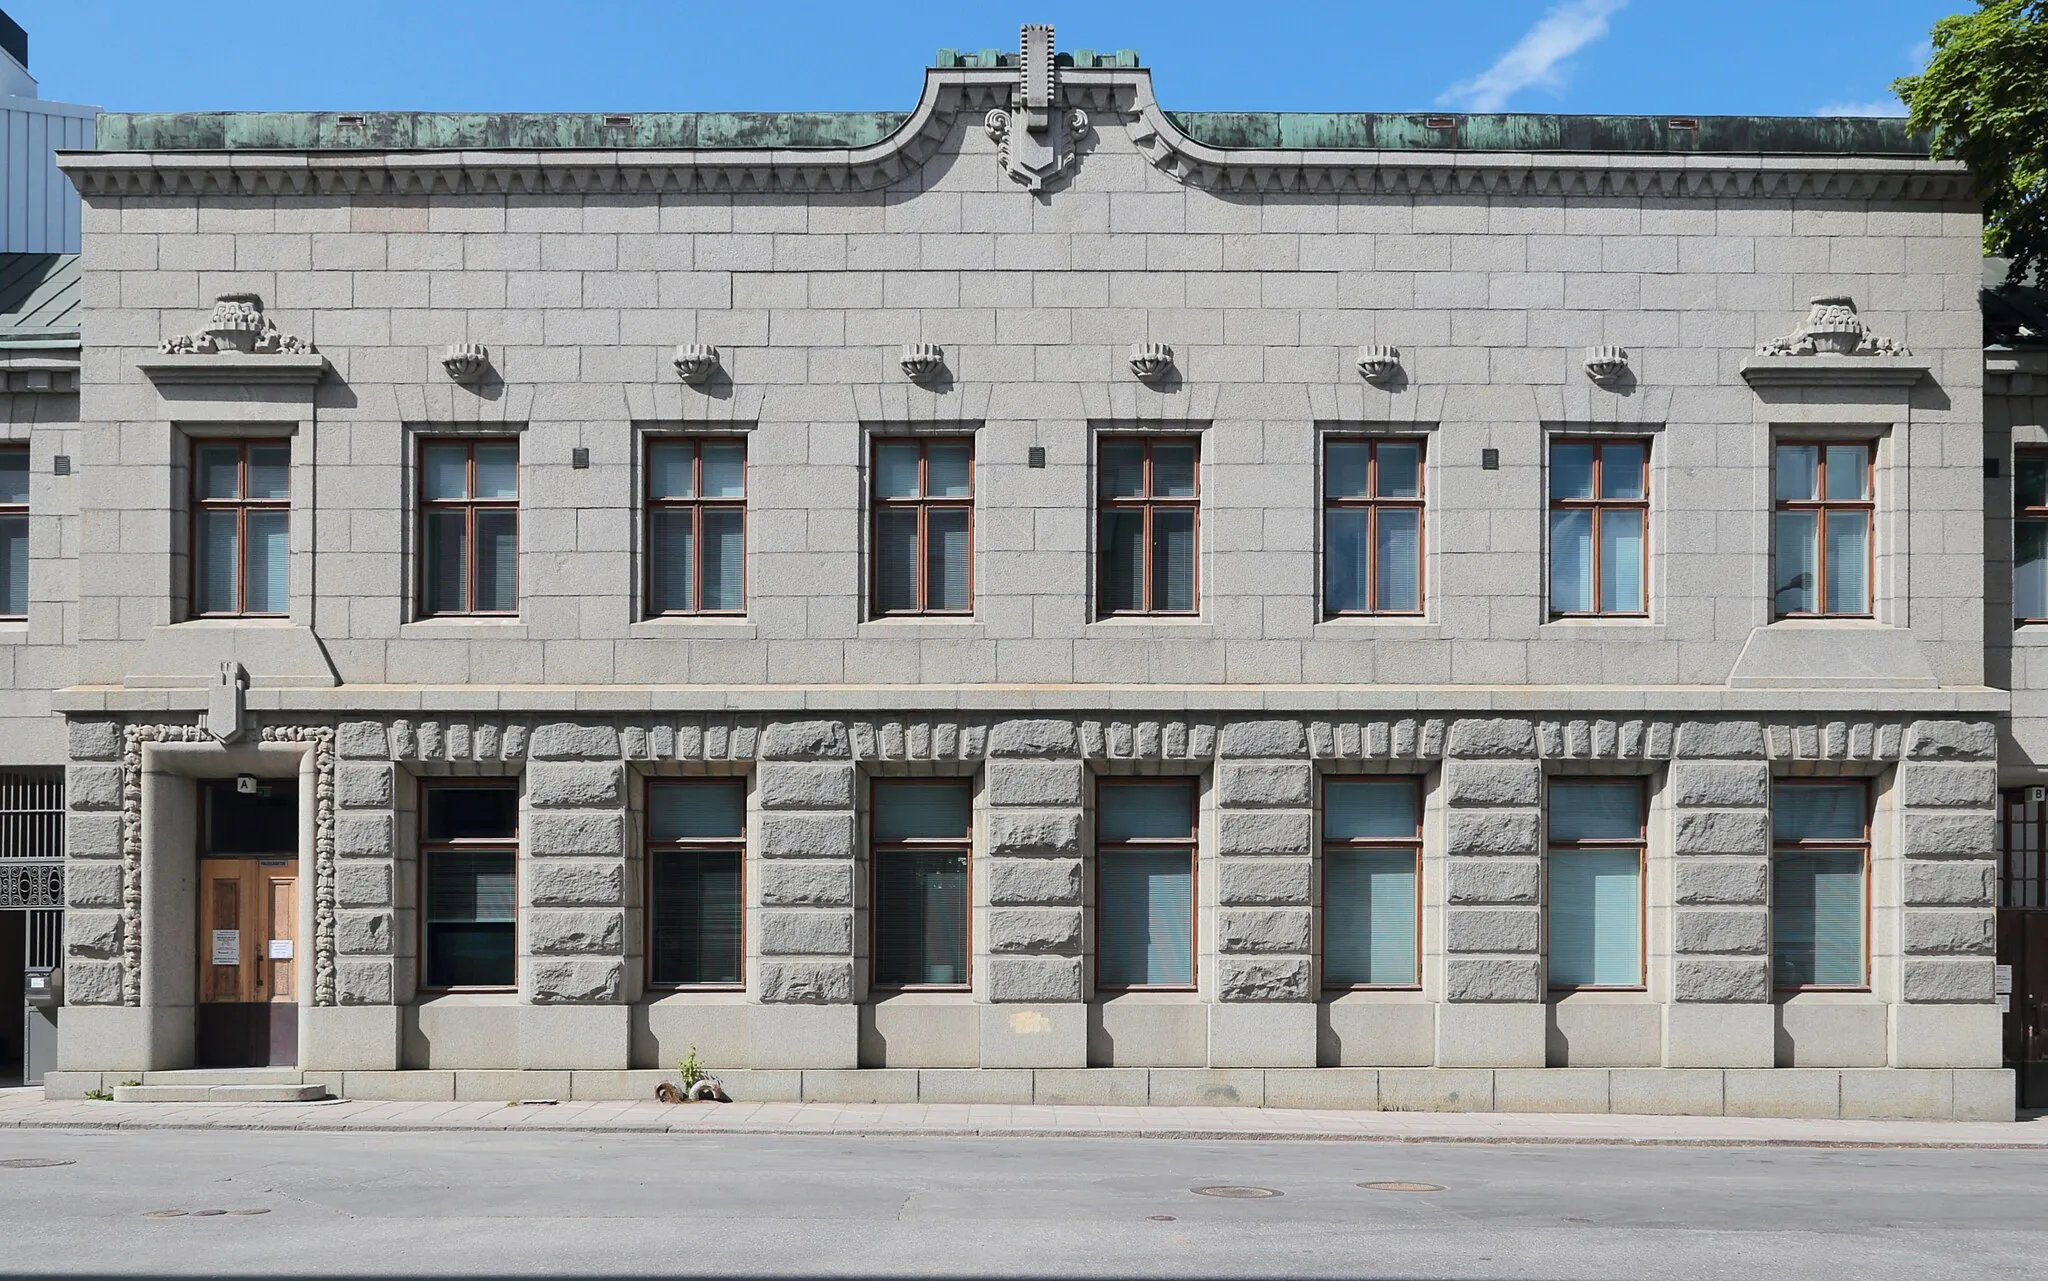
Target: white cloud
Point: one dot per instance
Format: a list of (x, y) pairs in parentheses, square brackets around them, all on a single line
[(1537, 58), (1875, 107)]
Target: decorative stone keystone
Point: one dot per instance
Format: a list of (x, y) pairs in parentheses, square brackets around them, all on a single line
[(922, 360), (1832, 328), (1151, 360), (1606, 365), (237, 325), (227, 703), (466, 361), (1379, 364), (1035, 138), (696, 362)]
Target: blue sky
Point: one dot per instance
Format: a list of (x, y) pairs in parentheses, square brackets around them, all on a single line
[(1704, 57)]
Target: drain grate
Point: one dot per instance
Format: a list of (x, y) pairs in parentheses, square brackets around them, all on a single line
[(1163, 1218), (34, 1162), (1396, 1185), (1235, 1193), (199, 1214)]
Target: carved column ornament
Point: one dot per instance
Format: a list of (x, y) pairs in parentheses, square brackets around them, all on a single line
[(1036, 137)]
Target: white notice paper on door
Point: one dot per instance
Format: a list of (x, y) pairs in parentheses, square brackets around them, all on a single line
[(280, 949), (227, 947)]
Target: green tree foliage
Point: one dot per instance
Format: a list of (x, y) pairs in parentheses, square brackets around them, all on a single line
[(1983, 100)]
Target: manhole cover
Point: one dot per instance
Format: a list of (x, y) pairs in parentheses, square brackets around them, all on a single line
[(257, 1211), (165, 1214), (33, 1162), (1162, 1218), (1396, 1185), (1237, 1193), (206, 1214)]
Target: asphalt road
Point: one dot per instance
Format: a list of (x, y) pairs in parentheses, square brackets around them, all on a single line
[(593, 1205)]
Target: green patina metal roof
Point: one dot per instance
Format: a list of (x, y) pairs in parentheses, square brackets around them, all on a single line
[(38, 301), (1394, 131), (488, 131)]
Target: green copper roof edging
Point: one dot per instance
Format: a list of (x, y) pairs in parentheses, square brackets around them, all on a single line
[(490, 131), (39, 296), (1395, 131)]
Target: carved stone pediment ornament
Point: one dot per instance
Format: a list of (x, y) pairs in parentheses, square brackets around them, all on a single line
[(237, 325), (1037, 135), (1832, 328)]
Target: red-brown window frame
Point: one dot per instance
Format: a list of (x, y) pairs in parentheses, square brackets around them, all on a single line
[(697, 506), (241, 506), (469, 506), (1599, 507), (653, 848), (2022, 851), (1149, 503), (19, 510), (1414, 843), (468, 845), (1640, 843), (1193, 844), (1830, 843), (878, 850), (923, 505), (2038, 512), (1373, 503), (1823, 505)]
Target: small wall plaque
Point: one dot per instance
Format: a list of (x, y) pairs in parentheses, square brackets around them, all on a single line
[(579, 458), (1035, 457), (60, 465), (1489, 460)]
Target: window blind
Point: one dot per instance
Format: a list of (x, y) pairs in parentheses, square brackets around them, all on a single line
[(471, 885), (1817, 918), (1819, 812), (725, 558), (1344, 560), (1848, 560), (946, 558), (1123, 559), (1145, 919), (1369, 916), (1571, 561), (447, 552), (921, 917), (1797, 572), (1621, 557), (497, 558), (1173, 559), (267, 580), (896, 560), (14, 564), (696, 917), (2030, 569), (1595, 918), (1398, 558), (673, 549), (218, 550)]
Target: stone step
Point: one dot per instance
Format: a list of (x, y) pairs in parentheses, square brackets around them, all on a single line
[(225, 1076), (219, 1093)]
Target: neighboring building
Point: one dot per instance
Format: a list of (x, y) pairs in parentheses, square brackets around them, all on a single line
[(38, 208), (1036, 597)]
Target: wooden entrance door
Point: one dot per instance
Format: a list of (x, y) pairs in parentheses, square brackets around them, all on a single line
[(248, 962)]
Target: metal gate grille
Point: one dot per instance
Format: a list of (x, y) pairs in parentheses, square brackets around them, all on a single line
[(2020, 870), (31, 814), (45, 939)]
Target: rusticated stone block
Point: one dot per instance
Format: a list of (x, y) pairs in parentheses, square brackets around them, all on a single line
[(806, 982), (1263, 738), (362, 884), (1034, 979), (362, 787), (806, 883), (1727, 785), (562, 833), (1264, 783), (1281, 929), (92, 933), (561, 932), (1492, 737), (1947, 979), (92, 835), (363, 835), (91, 982), (1033, 738), (362, 741), (1263, 832), (364, 981), (96, 884), (1483, 929), (1745, 932), (92, 787), (1032, 782), (565, 740), (575, 882), (1956, 931), (805, 741), (1273, 881), (806, 933), (94, 740), (1034, 880), (785, 835), (1951, 740), (1942, 786), (1950, 884), (1494, 880), (1492, 783), (1723, 832), (1490, 832), (363, 933), (575, 785), (563, 980), (1038, 930), (804, 785), (1264, 978), (1014, 831), (1721, 978), (1493, 978), (1727, 740), (1705, 880), (1948, 835)]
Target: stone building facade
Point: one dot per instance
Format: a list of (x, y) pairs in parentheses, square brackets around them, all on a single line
[(1040, 263)]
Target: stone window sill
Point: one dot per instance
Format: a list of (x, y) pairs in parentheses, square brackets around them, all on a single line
[(916, 628), (496, 629), (680, 628)]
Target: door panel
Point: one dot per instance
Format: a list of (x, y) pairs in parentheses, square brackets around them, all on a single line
[(248, 962)]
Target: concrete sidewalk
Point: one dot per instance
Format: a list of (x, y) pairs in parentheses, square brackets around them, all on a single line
[(27, 1109)]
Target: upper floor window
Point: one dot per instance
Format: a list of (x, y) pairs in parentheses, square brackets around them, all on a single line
[(924, 526), (696, 844), (1595, 883), (1372, 527), (1149, 497), (1372, 868), (921, 833), (1145, 883), (696, 526), (2030, 536), (1823, 512), (241, 528), (470, 905), (469, 519), (14, 531), (1820, 874), (1599, 515)]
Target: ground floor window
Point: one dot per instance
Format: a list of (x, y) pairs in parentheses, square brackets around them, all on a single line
[(1145, 883), (469, 853), (696, 845), (1820, 874), (921, 833), (1594, 883), (1372, 859)]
